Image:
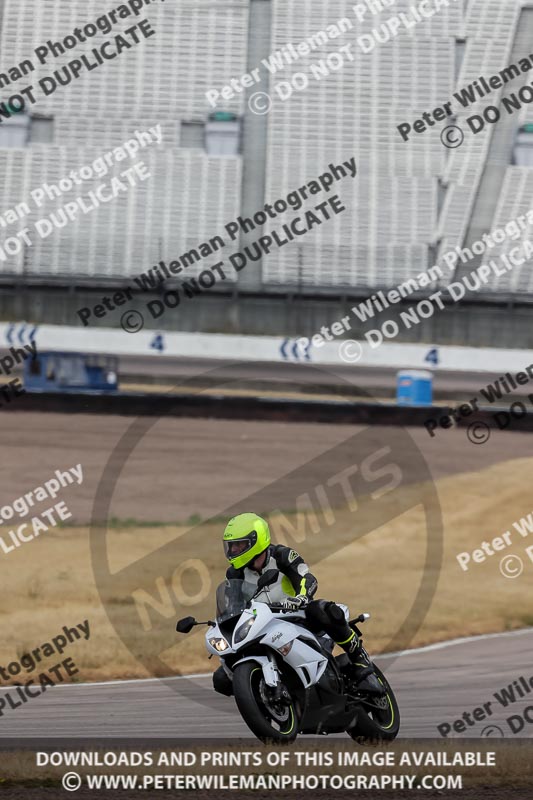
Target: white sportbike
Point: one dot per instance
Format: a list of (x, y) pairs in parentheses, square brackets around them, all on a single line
[(285, 679)]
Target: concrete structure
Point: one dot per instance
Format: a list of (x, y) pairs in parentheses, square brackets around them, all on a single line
[(410, 202)]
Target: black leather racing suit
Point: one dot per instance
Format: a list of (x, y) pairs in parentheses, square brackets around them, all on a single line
[(321, 615)]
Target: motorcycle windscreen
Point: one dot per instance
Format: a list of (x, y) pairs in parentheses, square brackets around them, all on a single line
[(232, 597)]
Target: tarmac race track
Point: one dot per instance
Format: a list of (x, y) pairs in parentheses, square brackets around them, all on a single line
[(433, 685)]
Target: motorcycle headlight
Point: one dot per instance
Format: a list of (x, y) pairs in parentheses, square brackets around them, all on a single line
[(242, 631), (219, 644)]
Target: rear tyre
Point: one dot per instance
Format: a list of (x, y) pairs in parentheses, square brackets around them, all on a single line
[(378, 719), (268, 719)]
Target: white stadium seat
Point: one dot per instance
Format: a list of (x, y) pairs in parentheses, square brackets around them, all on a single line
[(409, 203)]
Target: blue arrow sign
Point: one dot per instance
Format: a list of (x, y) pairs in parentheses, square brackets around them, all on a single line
[(297, 348), (21, 332)]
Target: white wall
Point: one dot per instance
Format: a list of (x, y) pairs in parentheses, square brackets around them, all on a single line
[(260, 348)]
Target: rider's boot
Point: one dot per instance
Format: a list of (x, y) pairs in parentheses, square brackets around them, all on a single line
[(361, 669)]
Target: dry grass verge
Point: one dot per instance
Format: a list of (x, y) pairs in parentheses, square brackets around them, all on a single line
[(50, 581)]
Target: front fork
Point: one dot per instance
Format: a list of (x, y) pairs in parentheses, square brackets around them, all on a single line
[(270, 670)]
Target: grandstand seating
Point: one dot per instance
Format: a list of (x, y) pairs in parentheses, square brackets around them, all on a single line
[(395, 82), (489, 28), (516, 199), (190, 195), (407, 199)]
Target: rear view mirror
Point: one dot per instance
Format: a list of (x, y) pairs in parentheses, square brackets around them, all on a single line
[(269, 577), (185, 625)]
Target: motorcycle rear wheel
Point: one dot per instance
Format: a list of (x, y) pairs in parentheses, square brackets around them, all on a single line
[(270, 722), (377, 724)]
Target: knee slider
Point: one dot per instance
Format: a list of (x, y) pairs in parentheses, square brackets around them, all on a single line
[(336, 613)]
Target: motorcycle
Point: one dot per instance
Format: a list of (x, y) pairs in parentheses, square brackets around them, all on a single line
[(285, 679)]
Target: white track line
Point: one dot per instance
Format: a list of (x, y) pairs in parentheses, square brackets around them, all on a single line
[(451, 642), (426, 649)]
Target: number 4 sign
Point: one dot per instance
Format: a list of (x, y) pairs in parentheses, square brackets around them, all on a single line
[(158, 343), (433, 357)]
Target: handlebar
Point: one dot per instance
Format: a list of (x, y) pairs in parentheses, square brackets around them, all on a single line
[(282, 609), (278, 607)]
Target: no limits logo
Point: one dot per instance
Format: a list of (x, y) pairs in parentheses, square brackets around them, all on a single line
[(372, 477)]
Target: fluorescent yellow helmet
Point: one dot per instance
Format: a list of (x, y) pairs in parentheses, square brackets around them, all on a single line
[(246, 536)]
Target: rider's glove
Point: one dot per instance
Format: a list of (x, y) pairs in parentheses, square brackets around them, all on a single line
[(295, 603)]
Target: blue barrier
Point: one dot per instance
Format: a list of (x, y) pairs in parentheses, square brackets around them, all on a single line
[(414, 388), (71, 372)]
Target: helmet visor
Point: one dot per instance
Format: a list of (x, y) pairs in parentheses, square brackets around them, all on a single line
[(236, 547)]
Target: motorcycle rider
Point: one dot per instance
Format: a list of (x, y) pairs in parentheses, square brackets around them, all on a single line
[(249, 551)]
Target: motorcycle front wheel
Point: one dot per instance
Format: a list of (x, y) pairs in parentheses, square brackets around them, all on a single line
[(378, 719), (269, 719)]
